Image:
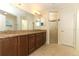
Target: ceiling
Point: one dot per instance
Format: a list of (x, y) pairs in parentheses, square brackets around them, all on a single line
[(43, 7)]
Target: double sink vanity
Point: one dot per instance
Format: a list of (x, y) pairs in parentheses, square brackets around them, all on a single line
[(21, 43)]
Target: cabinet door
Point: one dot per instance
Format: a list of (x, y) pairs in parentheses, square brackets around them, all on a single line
[(23, 45), (43, 37), (9, 46), (31, 43), (1, 40), (38, 40)]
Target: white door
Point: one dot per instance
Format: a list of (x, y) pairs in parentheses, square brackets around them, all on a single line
[(65, 27), (2, 22)]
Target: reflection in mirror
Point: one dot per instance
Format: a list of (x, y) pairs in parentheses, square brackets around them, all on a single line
[(24, 24), (22, 21), (39, 23), (10, 22)]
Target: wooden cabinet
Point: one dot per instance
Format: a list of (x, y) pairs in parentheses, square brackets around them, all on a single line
[(23, 45), (40, 39), (9, 46), (1, 40), (43, 37), (32, 42)]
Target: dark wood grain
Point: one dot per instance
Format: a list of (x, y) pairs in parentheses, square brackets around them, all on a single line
[(9, 46), (23, 45), (32, 43)]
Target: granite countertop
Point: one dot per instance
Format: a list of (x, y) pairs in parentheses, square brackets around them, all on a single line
[(6, 34)]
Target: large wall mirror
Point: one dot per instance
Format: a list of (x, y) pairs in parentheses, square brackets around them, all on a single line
[(7, 21)]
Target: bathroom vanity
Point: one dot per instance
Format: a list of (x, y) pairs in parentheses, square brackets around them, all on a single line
[(21, 43)]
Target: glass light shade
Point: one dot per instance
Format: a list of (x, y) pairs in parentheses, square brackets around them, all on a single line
[(38, 23)]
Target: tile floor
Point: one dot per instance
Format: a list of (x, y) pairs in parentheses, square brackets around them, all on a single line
[(55, 50)]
